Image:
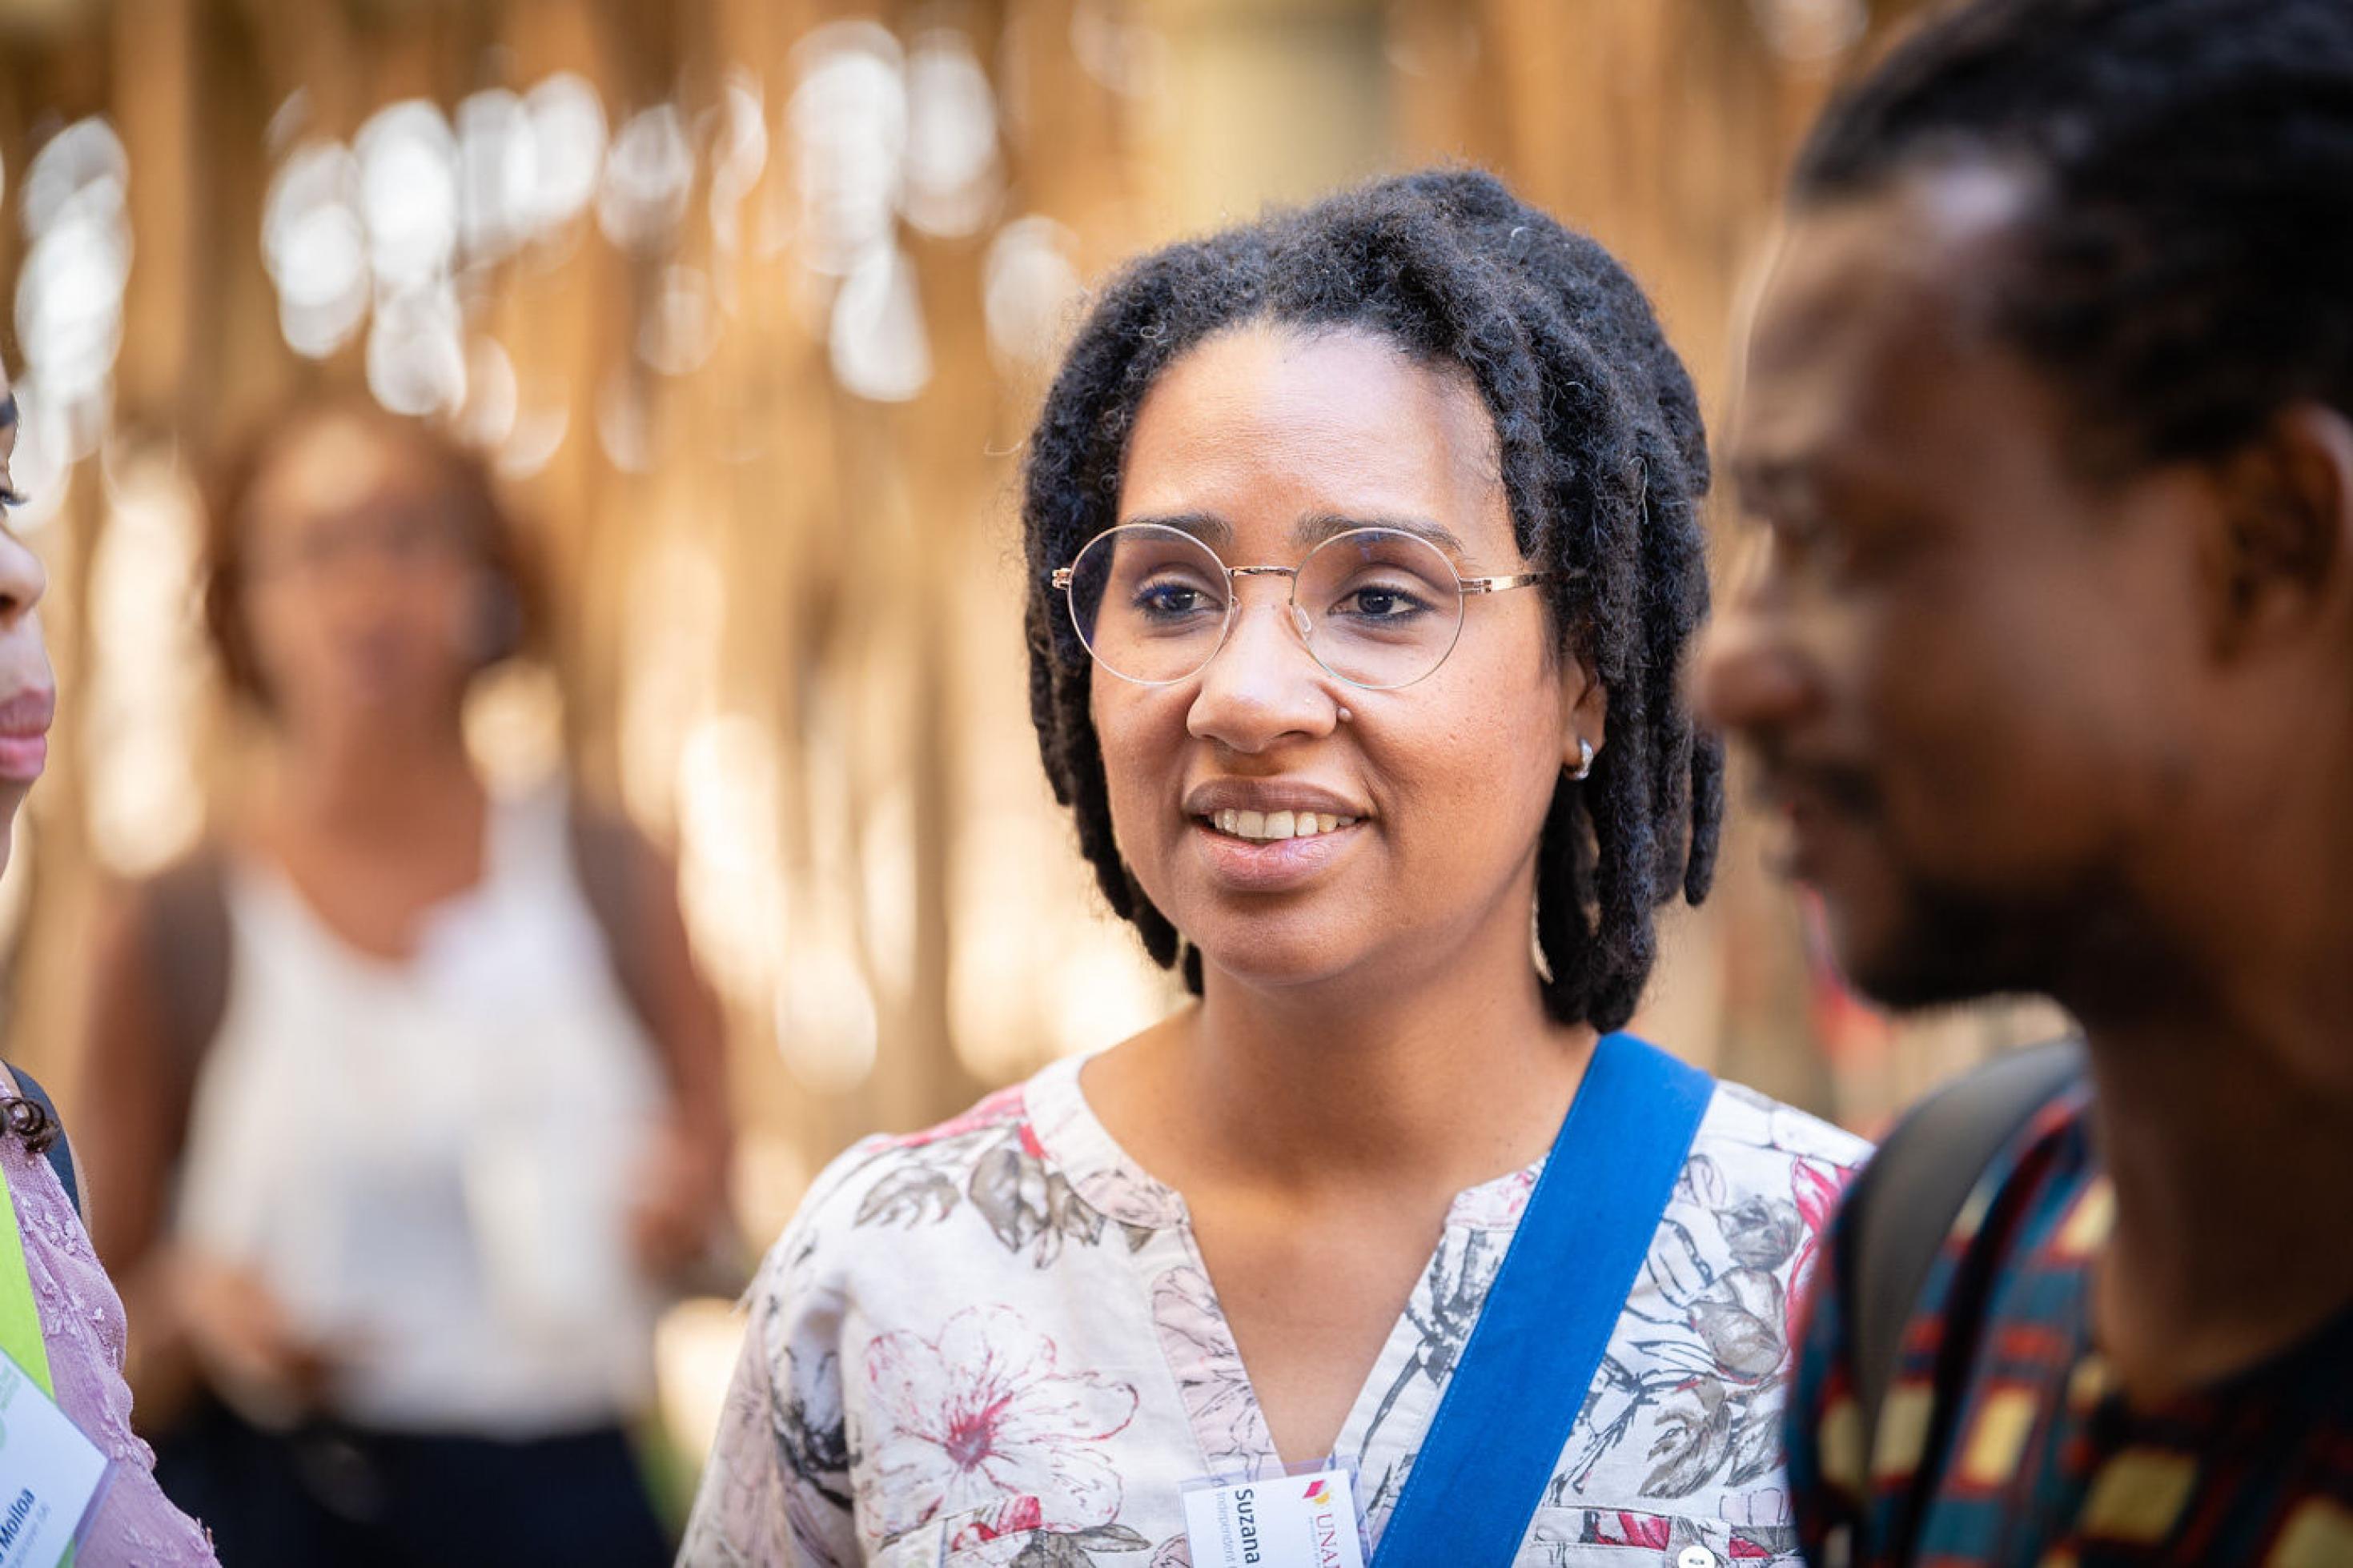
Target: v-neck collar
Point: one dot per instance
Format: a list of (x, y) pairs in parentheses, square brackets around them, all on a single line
[(1393, 1406), (1076, 1142)]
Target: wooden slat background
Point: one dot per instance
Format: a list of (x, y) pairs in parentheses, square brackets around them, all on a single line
[(791, 644)]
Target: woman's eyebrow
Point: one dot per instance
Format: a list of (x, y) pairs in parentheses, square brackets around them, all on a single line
[(1206, 527), (1313, 531)]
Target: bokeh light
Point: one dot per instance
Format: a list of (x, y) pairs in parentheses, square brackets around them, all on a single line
[(849, 120), (952, 173), (649, 173), (315, 248), (70, 289), (880, 349)]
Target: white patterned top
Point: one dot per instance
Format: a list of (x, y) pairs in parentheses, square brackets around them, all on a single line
[(995, 1343)]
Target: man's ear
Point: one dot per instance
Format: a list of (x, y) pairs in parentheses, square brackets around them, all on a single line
[(2284, 536)]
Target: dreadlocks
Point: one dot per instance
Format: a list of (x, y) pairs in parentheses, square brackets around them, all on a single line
[(1604, 463), (2183, 261)]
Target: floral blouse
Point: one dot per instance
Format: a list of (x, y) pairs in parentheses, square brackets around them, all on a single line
[(994, 1343)]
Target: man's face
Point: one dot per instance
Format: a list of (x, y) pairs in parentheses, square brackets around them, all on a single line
[(1970, 670)]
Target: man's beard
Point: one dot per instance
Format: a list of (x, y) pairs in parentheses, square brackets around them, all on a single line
[(1954, 945)]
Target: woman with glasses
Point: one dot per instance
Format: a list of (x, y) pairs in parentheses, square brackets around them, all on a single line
[(1364, 547)]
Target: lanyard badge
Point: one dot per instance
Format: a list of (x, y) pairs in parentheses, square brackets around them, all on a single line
[(1304, 1521), (50, 1474)]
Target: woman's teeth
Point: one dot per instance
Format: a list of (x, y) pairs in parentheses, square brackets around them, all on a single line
[(1262, 825)]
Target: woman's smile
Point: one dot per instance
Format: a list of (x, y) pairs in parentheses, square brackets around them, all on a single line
[(1261, 827), (1270, 834), (1248, 865)]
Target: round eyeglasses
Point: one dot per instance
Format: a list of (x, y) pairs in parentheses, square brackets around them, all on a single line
[(1378, 608)]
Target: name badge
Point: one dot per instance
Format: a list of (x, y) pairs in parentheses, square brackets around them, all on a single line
[(50, 1474), (1304, 1521)]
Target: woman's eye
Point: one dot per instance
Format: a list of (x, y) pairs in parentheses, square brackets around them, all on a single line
[(1380, 603), (1172, 599)]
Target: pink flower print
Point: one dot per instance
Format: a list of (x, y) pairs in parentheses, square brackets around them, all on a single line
[(1019, 1517), (1135, 1201), (1004, 1105), (1494, 1205), (1648, 1530), (1764, 1528), (1816, 1184), (978, 1417), (999, 1536)]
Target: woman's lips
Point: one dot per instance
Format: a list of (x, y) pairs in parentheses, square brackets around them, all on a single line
[(25, 721), (22, 757), (1269, 865)]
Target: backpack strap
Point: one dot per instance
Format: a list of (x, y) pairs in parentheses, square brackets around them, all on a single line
[(60, 1153), (608, 858), (1908, 1198), (184, 937)]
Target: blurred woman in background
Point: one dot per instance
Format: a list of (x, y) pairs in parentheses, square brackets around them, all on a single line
[(405, 1097)]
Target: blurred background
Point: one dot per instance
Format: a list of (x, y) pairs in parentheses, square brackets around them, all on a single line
[(749, 302)]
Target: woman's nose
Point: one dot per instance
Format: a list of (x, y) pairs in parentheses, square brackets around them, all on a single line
[(1264, 683), (23, 579)]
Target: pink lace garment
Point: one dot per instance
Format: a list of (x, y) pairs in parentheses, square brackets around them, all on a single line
[(83, 1320)]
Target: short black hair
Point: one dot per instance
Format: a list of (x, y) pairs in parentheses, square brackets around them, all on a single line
[(2185, 267), (516, 613), (1604, 462)]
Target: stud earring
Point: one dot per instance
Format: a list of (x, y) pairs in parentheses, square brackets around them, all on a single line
[(1584, 759), (1345, 715)]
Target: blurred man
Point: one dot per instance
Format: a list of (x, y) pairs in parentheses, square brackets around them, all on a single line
[(2045, 654)]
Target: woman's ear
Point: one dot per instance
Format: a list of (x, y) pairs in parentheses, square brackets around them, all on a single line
[(1585, 716)]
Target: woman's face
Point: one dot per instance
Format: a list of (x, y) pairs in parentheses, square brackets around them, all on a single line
[(27, 692), (364, 597), (1263, 439)]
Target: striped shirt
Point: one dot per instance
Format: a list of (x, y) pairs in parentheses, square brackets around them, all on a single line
[(2005, 1424)]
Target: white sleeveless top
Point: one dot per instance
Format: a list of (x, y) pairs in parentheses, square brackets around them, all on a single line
[(430, 1160)]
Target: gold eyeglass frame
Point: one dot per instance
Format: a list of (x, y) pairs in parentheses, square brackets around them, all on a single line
[(1302, 624)]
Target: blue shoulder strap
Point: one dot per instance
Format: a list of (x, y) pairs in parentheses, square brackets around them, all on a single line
[(1540, 1338)]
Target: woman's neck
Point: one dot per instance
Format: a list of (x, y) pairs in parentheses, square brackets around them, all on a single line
[(1439, 1077), (375, 781)]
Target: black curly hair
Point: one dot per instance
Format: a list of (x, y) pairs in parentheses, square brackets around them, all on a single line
[(1604, 462), (2183, 261)]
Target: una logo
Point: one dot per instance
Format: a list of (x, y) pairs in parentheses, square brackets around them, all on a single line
[(1319, 1491)]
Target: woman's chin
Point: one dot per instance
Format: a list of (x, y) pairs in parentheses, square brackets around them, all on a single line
[(12, 800), (1260, 956)]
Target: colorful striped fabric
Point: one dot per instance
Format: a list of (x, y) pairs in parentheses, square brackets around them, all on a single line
[(2022, 1451)]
